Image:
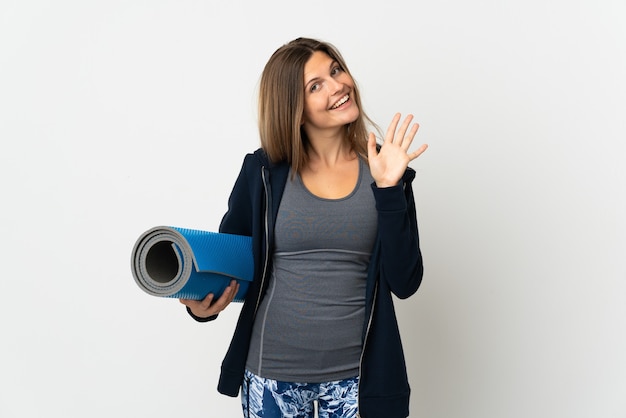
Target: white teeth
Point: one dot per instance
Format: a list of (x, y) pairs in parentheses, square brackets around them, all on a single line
[(341, 101)]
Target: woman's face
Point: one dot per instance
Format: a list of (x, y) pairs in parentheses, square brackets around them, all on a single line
[(328, 96)]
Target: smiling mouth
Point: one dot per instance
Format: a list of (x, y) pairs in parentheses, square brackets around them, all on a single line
[(341, 101)]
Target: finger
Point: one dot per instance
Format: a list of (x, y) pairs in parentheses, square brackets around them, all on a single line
[(206, 302), (227, 297), (391, 130), (400, 136), (234, 293), (418, 152), (371, 146), (233, 288), (408, 139)]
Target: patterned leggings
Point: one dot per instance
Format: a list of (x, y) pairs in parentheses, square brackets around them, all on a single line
[(267, 398)]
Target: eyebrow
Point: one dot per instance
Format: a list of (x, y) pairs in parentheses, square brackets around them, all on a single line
[(332, 63)]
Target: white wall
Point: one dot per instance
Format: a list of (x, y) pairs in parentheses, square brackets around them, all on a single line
[(116, 116)]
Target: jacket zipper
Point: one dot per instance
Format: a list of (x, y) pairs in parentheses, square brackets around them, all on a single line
[(367, 331), (267, 243)]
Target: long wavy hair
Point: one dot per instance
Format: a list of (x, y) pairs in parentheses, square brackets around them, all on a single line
[(281, 104)]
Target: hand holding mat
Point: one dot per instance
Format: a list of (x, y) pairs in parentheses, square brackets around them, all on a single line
[(189, 264)]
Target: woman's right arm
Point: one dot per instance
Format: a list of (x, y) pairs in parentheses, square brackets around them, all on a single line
[(237, 220)]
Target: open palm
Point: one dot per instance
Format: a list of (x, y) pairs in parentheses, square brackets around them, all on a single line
[(389, 164)]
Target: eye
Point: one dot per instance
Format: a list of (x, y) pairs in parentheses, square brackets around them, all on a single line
[(314, 87), (335, 70)]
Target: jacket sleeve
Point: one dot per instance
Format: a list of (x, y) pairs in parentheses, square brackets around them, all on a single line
[(401, 259), (238, 218)]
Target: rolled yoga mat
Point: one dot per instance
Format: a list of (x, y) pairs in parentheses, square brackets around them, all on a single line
[(187, 263)]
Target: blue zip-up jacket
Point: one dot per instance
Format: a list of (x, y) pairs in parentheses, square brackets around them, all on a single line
[(395, 267)]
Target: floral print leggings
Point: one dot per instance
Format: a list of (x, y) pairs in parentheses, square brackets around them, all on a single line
[(267, 398)]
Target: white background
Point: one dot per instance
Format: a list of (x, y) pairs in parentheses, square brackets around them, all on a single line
[(116, 116)]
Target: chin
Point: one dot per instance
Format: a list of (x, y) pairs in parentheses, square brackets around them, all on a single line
[(354, 117)]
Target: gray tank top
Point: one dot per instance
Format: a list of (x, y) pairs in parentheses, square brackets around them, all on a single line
[(308, 327)]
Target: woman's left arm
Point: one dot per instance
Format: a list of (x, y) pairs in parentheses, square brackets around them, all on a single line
[(401, 259)]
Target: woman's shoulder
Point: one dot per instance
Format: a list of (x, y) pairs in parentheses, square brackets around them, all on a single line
[(256, 162), (260, 158), (257, 157)]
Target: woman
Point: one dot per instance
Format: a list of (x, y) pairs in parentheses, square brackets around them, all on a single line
[(334, 230)]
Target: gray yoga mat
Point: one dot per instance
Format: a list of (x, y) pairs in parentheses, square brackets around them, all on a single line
[(187, 263)]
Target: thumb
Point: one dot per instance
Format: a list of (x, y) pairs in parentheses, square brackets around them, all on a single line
[(371, 146)]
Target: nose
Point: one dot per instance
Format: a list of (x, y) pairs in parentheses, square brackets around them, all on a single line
[(334, 85)]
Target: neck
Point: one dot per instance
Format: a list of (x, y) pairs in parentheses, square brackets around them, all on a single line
[(327, 147), (329, 152)]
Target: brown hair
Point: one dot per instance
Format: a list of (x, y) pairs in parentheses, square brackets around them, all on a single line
[(281, 104)]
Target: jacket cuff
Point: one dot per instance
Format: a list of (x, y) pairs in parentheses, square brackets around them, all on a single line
[(389, 199), (201, 319)]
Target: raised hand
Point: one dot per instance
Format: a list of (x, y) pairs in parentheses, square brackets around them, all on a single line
[(388, 165)]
